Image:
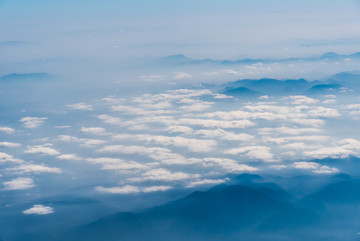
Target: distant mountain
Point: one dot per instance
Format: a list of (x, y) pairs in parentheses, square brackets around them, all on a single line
[(345, 82), (242, 92), (25, 77), (212, 215), (181, 59)]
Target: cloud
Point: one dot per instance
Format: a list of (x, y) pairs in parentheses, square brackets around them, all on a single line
[(156, 153), (229, 165), (191, 144), (254, 152), (225, 135), (81, 106), (44, 149), (217, 123), (9, 144), (19, 183), (93, 130), (4, 157), (33, 122), (179, 129), (182, 75), (88, 143), (39, 210), (302, 99), (315, 167), (156, 189), (162, 174), (332, 152), (287, 130), (35, 168), (7, 130), (69, 157), (324, 112), (117, 164), (128, 189), (206, 182)]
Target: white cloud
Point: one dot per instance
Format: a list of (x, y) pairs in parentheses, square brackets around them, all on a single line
[(314, 167), (225, 135), (7, 130), (332, 152), (162, 174), (44, 149), (206, 182), (81, 106), (156, 189), (179, 129), (9, 144), (324, 112), (156, 153), (217, 123), (93, 130), (182, 75), (4, 157), (194, 145), (33, 122), (254, 152), (39, 210), (69, 157), (287, 130), (19, 183), (88, 143), (228, 164), (128, 189), (117, 164), (302, 99), (35, 168)]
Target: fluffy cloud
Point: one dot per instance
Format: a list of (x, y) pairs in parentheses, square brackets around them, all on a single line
[(315, 167), (225, 135), (69, 157), (80, 106), (254, 152), (4, 157), (88, 143), (35, 168), (9, 144), (33, 122), (7, 130), (324, 112), (194, 145), (179, 129), (156, 153), (117, 164), (19, 183), (206, 182), (39, 210), (128, 189), (333, 152), (44, 149), (229, 165), (217, 123), (302, 99), (93, 130), (162, 174)]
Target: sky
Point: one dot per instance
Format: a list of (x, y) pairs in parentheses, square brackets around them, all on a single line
[(110, 109)]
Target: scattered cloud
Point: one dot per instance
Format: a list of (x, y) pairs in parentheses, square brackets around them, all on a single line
[(33, 122), (39, 210), (19, 183)]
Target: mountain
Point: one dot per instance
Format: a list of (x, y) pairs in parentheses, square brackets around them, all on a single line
[(242, 92), (217, 214), (25, 77)]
